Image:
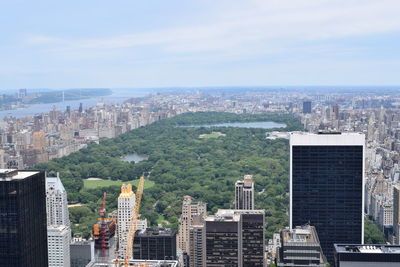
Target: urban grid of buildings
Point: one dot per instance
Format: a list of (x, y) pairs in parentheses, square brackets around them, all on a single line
[(345, 166)]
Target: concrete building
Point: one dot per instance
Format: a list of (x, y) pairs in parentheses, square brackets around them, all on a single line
[(58, 242), (190, 209), (126, 204), (244, 193), (357, 255), (235, 238), (58, 224), (82, 253), (300, 247), (56, 202), (396, 214), (327, 186), (155, 244), (197, 242), (23, 238)]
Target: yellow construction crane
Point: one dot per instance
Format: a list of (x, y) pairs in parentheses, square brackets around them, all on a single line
[(132, 227)]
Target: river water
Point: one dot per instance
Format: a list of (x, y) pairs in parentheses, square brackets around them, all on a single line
[(118, 96)]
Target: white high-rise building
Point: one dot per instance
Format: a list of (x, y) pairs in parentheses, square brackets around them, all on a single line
[(58, 224), (244, 193), (58, 241), (56, 202), (189, 211), (126, 204)]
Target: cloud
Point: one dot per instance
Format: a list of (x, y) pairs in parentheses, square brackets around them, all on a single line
[(252, 27)]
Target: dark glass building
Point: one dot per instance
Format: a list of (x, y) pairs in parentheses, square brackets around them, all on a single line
[(23, 229), (356, 255), (155, 244), (326, 186)]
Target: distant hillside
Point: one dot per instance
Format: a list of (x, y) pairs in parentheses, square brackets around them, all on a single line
[(70, 94)]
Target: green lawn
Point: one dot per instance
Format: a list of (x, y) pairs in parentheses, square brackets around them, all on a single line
[(211, 135), (91, 184)]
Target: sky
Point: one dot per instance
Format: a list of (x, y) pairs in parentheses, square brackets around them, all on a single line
[(168, 43)]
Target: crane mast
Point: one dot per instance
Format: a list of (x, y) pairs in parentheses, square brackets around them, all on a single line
[(132, 227)]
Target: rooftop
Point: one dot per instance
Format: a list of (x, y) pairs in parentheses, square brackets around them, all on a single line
[(374, 249), (13, 174), (156, 232), (300, 234)]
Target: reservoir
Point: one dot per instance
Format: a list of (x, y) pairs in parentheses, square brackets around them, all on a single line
[(257, 124)]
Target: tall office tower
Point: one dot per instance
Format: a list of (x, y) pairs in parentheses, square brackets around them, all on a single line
[(189, 210), (306, 107), (396, 214), (358, 255), (335, 112), (155, 244), (58, 240), (235, 238), (326, 186), (244, 193), (300, 247), (56, 202), (197, 242), (126, 204), (23, 235), (58, 224)]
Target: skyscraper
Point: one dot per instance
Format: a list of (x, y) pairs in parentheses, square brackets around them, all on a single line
[(58, 224), (56, 202), (396, 213), (58, 241), (189, 210), (126, 203), (197, 242), (326, 186), (306, 107), (23, 235), (235, 238), (244, 193)]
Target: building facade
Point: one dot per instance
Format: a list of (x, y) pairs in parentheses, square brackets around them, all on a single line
[(244, 193), (23, 235), (197, 243), (56, 202), (58, 242), (155, 244), (396, 214), (82, 253), (235, 237), (126, 204), (326, 186), (58, 224), (357, 255), (190, 209), (300, 247)]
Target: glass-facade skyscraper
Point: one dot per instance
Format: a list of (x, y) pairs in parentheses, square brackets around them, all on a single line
[(326, 186), (23, 229)]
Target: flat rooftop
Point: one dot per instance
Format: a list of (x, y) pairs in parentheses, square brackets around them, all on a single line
[(334, 138), (12, 174), (374, 249)]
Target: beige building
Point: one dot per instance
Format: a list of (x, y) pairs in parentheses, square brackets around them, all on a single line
[(126, 204), (189, 211)]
